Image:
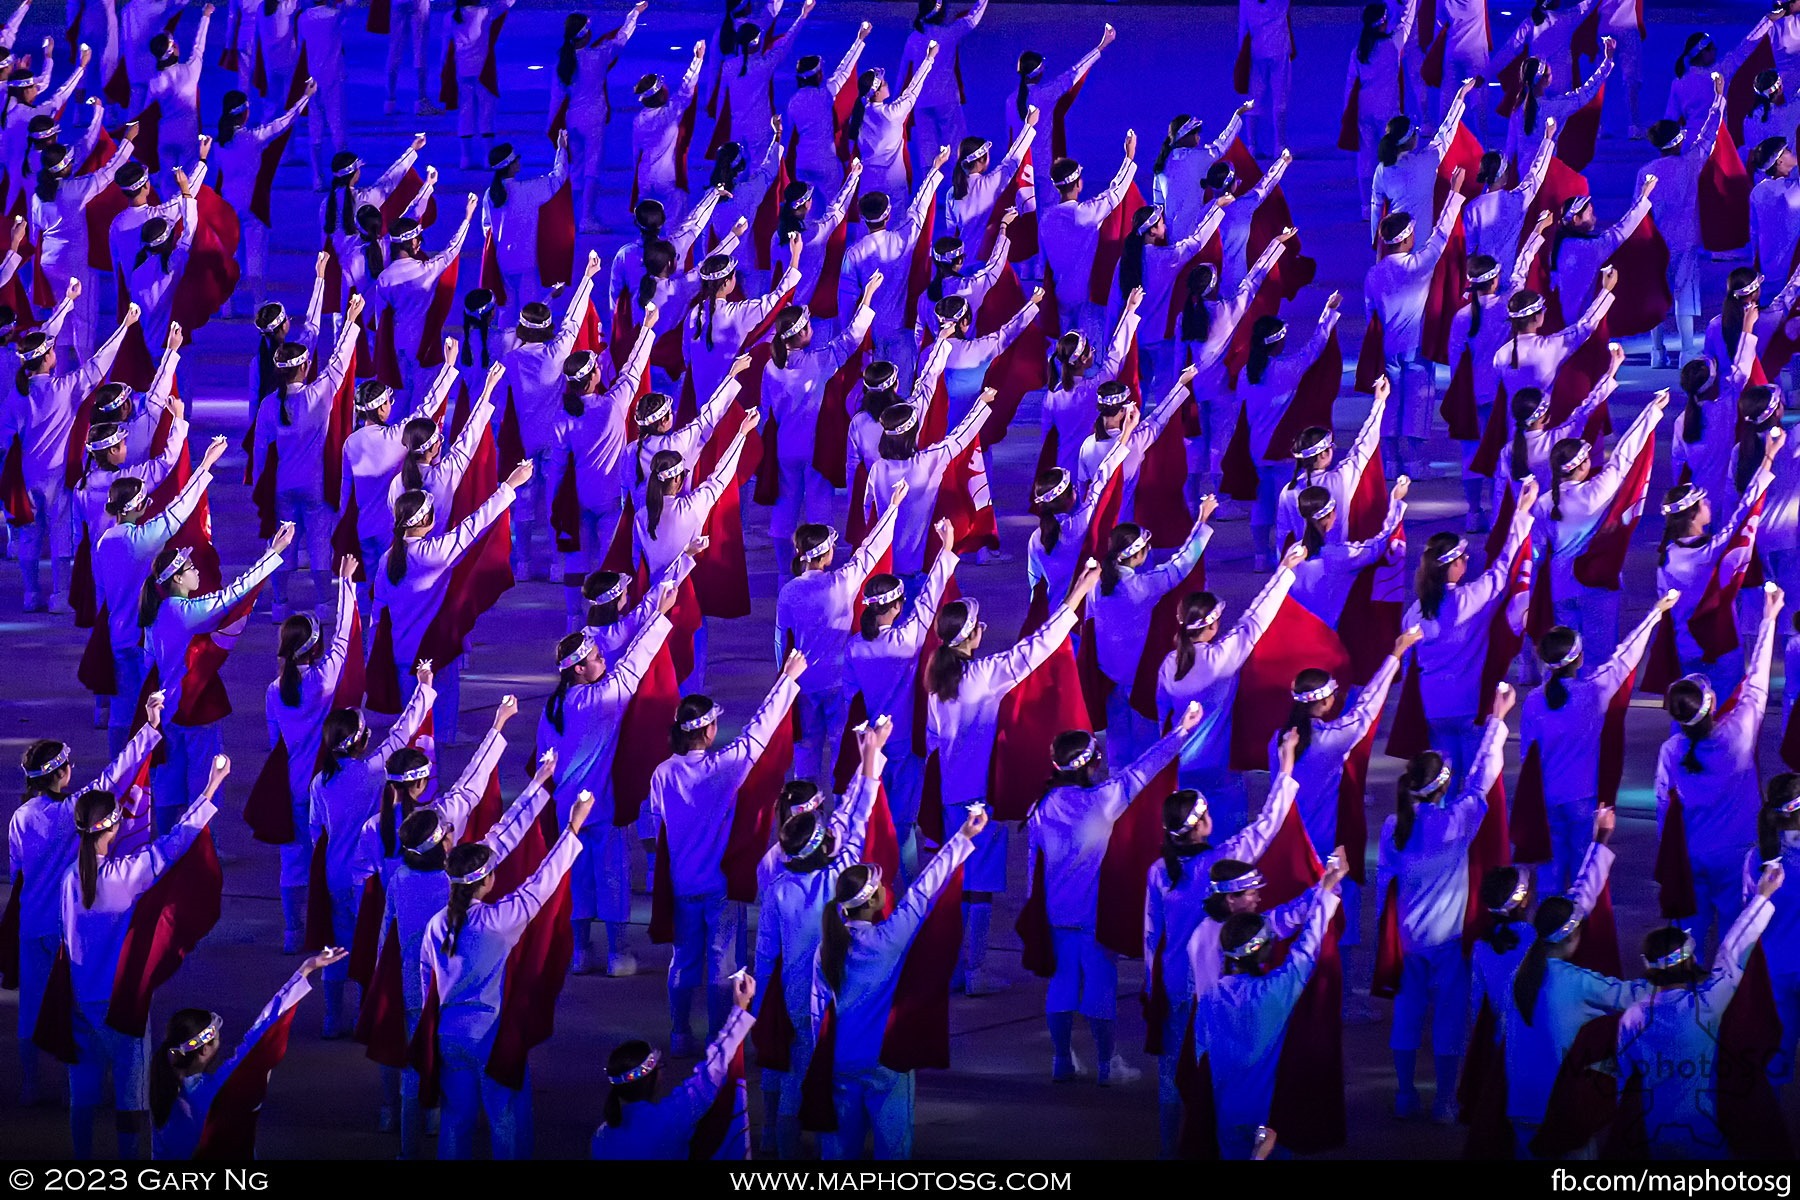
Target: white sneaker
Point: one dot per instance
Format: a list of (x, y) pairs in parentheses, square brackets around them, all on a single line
[(1118, 1071), (556, 569), (59, 604), (621, 966)]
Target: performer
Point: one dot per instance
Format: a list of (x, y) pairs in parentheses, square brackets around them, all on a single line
[(940, 113), (651, 222), (320, 28), (1456, 614), (814, 612), (1709, 764), (1151, 262), (693, 795), (1776, 827), (59, 227), (41, 845), (1580, 249), (876, 127), (1075, 374), (1396, 291), (1541, 111), (1068, 829), (1564, 721), (746, 95), (1693, 554), (40, 412), (882, 663), (1424, 857), (188, 1071), (1069, 232), (860, 958), (1372, 86), (154, 272), (406, 287), (297, 703), (1494, 222), (1204, 666), (99, 900), (812, 118), (796, 387), (1184, 162), (471, 36), (794, 899), (888, 248), (1130, 590), (962, 702), (1271, 377), (174, 89), (925, 473), (509, 219), (1534, 437), (1670, 1039), (659, 136), (580, 103), (1207, 325), (639, 1126), (1573, 512), (1675, 176), (465, 958), (1316, 465), (1406, 174), (1323, 583), (294, 420), (977, 183), (1529, 359), (1266, 44), (657, 431), (1551, 998)]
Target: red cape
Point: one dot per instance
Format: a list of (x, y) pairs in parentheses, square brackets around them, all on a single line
[(229, 1131), (1294, 641)]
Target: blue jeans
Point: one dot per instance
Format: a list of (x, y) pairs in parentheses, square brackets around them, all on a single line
[(128, 676), (468, 1092), (873, 1097), (182, 777)]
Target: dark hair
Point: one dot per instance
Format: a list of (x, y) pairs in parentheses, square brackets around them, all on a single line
[(1260, 352), (1493, 163), (1432, 580), (1497, 887), (1660, 943), (1131, 259), (599, 583), (691, 708), (90, 809), (865, 84), (151, 595), (169, 1064), (345, 735), (944, 672), (394, 805), (1062, 373), (625, 1057), (729, 164), (1694, 44), (791, 220), (1300, 718), (1731, 312), (1681, 528), (1697, 375), (1683, 702), (1196, 318), (796, 831), (710, 291), (959, 178), (565, 679), (1533, 71), (657, 488), (574, 25), (1195, 606), (1311, 501), (1049, 528), (1374, 17), (1238, 929), (808, 537), (1176, 807), (1480, 264), (296, 630), (834, 940), (659, 264), (1170, 140), (1394, 137), (1524, 402), (1030, 63), (38, 756), (1565, 452), (785, 325), (1528, 984), (1121, 538), (1217, 905), (1553, 647), (415, 435), (1747, 454), (1771, 821), (419, 825), (869, 624), (468, 857), (406, 510), (1424, 767)]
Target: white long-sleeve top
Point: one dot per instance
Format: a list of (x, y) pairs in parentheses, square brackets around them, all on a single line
[(1320, 767), (338, 805), (748, 82), (176, 91), (974, 287), (710, 340), (1163, 263), (585, 94), (1568, 738), (1070, 411), (1584, 505), (95, 935), (686, 440), (454, 804), (942, 88), (1097, 446), (95, 482), (1522, 144), (1266, 400), (960, 731), (663, 1129), (1483, 345), (884, 668), (181, 619), (1534, 359), (1410, 184), (470, 35), (1212, 384), (817, 608), (412, 604), (655, 132), (1690, 564), (1458, 636), (513, 225), (1466, 32), (685, 515), (123, 553), (872, 966), (1055, 569), (41, 841), (597, 438), (1775, 220), (923, 474), (694, 796), (1676, 201), (1711, 457), (408, 285), (60, 225), (1579, 259), (812, 121), (889, 251), (372, 458), (628, 261), (240, 159), (1494, 222), (1377, 82), (1719, 801), (881, 142), (1070, 829), (1340, 480), (1397, 287), (1122, 620), (815, 238), (1322, 584), (1433, 866), (1212, 679), (1069, 234), (1206, 958), (592, 712), (44, 414), (970, 213), (792, 395), (1181, 186), (300, 443), (301, 726), (441, 479), (471, 982)]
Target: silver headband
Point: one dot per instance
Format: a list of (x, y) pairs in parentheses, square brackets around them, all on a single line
[(177, 565), (641, 1071), (674, 472), (1324, 691), (1573, 654), (883, 599), (1708, 699), (1082, 757), (1206, 620), (1402, 235), (665, 405), (1326, 509), (1455, 552), (818, 798), (1313, 449), (1580, 457), (512, 156), (1190, 125), (479, 873), (1112, 395), (312, 635), (578, 655), (56, 764), (813, 840), (718, 273), (1277, 334), (1247, 882), (438, 833), (1688, 499), (821, 550), (1194, 814), (1054, 490), (138, 499), (108, 442), (361, 728), (1578, 204), (347, 171), (107, 822), (532, 321), (1250, 948), (1138, 543), (1563, 932), (1749, 289), (412, 776), (709, 717), (1680, 137), (909, 422), (1436, 784), (801, 327), (1541, 410), (1792, 806), (1530, 308), (614, 592), (1487, 276), (865, 893), (204, 1038), (378, 396), (1073, 177), (426, 514), (971, 621), (1521, 889), (1772, 407), (1674, 958), (1148, 218), (976, 155)]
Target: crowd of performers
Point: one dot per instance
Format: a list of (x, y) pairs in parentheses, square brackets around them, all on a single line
[(840, 321)]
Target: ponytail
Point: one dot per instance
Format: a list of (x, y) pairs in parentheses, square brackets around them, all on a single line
[(91, 808), (834, 939), (463, 859), (944, 672), (1195, 607), (1528, 984)]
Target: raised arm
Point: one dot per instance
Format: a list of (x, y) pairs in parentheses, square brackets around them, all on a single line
[(515, 911), (1012, 665), (122, 770), (749, 745), (1253, 841), (1124, 787), (465, 794), (463, 535), (1167, 575), (697, 1093), (915, 906), (1233, 649), (406, 727), (1579, 418), (1596, 866), (517, 821), (923, 198), (902, 105)]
